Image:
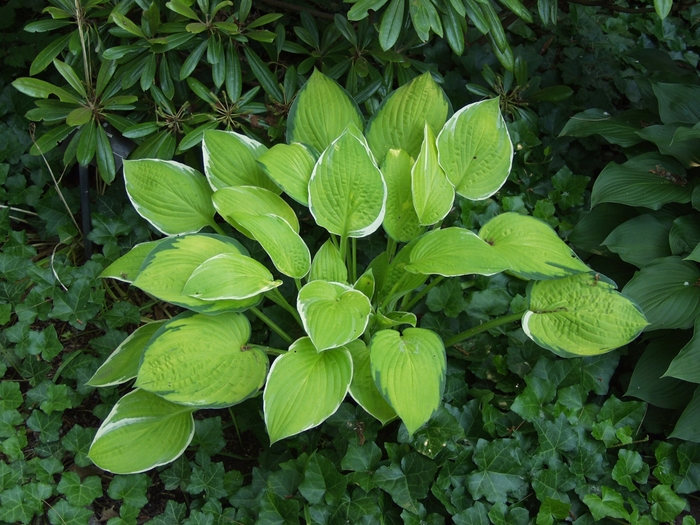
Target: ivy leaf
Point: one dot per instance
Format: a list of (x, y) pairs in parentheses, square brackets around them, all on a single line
[(550, 509), (555, 436), (530, 404), (277, 510), (17, 507), (569, 188), (209, 479), (174, 513), (78, 440), (322, 482), (501, 470), (474, 515), (10, 395), (554, 482), (689, 468), (666, 504), (447, 297), (130, 488), (63, 513), (79, 304), (432, 438), (361, 458), (77, 492), (208, 435), (47, 425), (629, 468), (610, 505), (407, 482)]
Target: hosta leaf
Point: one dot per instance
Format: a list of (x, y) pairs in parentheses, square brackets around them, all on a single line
[(141, 432), (686, 365), (362, 388), (454, 251), (400, 220), (304, 388), (649, 180), (399, 121), (433, 195), (333, 314), (531, 247), (203, 361), (620, 129), (668, 292), (319, 126), (251, 200), (581, 315), (290, 167), (173, 197), (229, 276), (688, 424), (123, 364), (397, 281), (409, 371), (230, 160), (475, 150), (641, 239), (288, 252), (168, 267), (347, 192), (327, 265), (128, 266)]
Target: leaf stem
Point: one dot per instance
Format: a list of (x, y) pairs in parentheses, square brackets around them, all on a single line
[(343, 249), (353, 273), (493, 323), (389, 296), (276, 297), (217, 228), (390, 248), (298, 283), (416, 298), (273, 326), (266, 349)]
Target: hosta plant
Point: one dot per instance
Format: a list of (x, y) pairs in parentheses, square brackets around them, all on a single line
[(394, 177)]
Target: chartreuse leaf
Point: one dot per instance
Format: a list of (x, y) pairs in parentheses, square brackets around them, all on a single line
[(409, 371), (323, 304), (686, 365), (475, 150), (230, 159), (400, 220), (318, 126), (649, 180), (668, 293), (347, 192), (128, 266), (123, 364), (288, 252), (142, 431), (173, 197), (397, 281), (531, 247), (581, 315), (433, 195), (454, 251), (400, 120), (290, 167), (168, 267), (362, 389), (304, 388), (203, 361), (251, 200), (229, 276), (327, 265)]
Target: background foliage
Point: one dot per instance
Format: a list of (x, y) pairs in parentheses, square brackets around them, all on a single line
[(531, 438)]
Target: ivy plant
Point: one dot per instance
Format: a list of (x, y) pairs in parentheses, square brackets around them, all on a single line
[(401, 171)]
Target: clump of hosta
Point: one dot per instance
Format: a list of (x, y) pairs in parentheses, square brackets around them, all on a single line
[(394, 177)]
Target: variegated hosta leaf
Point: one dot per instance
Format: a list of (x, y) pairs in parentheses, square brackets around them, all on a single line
[(203, 361), (304, 388), (531, 247), (327, 265), (400, 220), (362, 389), (475, 150), (409, 371), (123, 364), (167, 268), (320, 113), (141, 432), (288, 252), (333, 314), (229, 276), (128, 266), (249, 200), (230, 160), (399, 121), (433, 194), (290, 167), (347, 192), (581, 315), (173, 197), (454, 251)]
